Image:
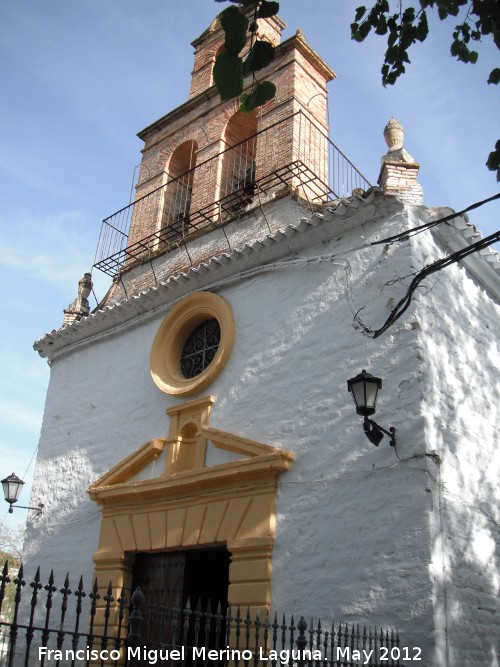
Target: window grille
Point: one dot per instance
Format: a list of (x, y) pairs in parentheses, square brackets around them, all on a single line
[(200, 348)]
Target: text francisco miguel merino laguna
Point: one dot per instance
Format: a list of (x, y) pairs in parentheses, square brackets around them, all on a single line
[(152, 656)]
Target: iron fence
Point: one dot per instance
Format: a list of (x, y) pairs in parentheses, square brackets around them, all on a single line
[(69, 627), (293, 153)]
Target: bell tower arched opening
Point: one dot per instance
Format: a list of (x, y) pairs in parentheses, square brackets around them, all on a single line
[(238, 167), (178, 193)]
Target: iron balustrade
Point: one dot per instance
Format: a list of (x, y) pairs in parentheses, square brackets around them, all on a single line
[(293, 153), (66, 626)]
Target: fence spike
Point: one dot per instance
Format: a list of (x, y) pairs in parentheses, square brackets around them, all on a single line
[(20, 583), (209, 632), (266, 631), (4, 580), (136, 618), (94, 596), (36, 587), (301, 640), (187, 616)]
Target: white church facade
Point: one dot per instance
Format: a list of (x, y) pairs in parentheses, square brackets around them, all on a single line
[(199, 421)]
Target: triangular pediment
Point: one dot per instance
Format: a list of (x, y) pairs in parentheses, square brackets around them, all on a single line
[(165, 466)]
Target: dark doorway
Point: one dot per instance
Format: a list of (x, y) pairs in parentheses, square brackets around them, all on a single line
[(207, 577), (174, 579)]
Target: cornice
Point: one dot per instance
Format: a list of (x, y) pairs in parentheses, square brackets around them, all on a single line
[(266, 249), (224, 476), (297, 42)]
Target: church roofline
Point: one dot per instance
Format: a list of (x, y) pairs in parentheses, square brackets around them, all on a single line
[(266, 249), (484, 267)]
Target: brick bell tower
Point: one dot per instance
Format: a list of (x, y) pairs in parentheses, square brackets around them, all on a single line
[(206, 165)]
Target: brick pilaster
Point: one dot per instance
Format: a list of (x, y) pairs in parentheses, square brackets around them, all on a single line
[(399, 179)]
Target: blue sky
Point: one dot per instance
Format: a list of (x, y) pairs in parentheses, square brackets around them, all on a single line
[(80, 79)]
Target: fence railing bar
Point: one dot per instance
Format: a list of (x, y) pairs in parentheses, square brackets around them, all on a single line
[(129, 622)]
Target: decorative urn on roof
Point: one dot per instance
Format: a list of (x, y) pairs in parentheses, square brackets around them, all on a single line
[(394, 136)]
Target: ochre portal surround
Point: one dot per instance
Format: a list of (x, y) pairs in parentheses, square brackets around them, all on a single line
[(190, 504)]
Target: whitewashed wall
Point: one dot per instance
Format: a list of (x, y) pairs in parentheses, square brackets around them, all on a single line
[(461, 407), (361, 535)]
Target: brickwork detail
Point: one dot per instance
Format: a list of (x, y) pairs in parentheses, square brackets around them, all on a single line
[(398, 175), (209, 127), (211, 42), (399, 179)]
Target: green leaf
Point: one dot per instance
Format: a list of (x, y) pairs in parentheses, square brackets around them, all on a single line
[(235, 26), (372, 17), (360, 12), (442, 13), (422, 29), (228, 75), (494, 76), (493, 162), (259, 95), (364, 30), (393, 37), (409, 15), (268, 9), (455, 48), (260, 55), (381, 26)]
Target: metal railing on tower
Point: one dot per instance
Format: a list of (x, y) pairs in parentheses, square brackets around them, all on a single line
[(293, 154)]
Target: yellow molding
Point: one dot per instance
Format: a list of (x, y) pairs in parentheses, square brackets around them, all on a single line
[(132, 464), (191, 505), (191, 482), (172, 335), (191, 407), (239, 445)]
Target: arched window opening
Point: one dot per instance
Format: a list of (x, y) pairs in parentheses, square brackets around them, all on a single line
[(238, 163), (180, 185)]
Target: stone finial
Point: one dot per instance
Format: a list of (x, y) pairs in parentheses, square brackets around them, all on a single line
[(398, 175), (80, 306), (394, 136)]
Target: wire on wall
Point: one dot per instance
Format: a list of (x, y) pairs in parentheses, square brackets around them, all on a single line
[(405, 302)]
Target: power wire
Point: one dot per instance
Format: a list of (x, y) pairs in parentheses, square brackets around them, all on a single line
[(416, 230), (405, 302)]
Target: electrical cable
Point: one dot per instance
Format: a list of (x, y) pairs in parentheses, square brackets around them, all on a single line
[(405, 302), (416, 230)]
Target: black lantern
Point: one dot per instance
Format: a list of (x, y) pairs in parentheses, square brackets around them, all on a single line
[(364, 389), (12, 486)]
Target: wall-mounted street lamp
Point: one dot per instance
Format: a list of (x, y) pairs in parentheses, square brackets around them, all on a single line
[(12, 486), (364, 389)]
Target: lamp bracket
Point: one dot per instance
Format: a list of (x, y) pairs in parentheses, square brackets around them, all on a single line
[(38, 509), (375, 432)]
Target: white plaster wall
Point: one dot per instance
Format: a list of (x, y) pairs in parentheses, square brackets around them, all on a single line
[(356, 535), (460, 326)]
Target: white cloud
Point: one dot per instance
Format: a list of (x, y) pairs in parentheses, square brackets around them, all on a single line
[(47, 249), (18, 415)]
